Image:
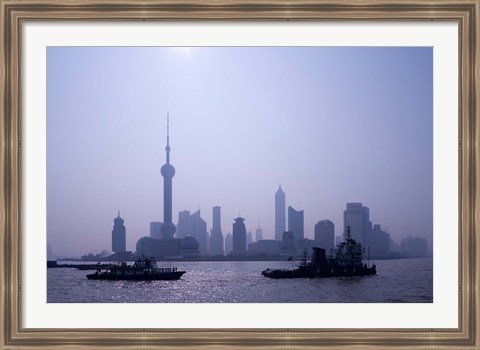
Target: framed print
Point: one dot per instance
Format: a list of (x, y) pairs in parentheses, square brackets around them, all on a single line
[(362, 118)]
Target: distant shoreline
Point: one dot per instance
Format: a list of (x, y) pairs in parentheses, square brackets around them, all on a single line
[(213, 259)]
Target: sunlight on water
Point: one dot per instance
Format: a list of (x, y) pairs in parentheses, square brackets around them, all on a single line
[(397, 281)]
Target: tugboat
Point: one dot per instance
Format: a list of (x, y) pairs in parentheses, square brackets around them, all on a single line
[(346, 261), (140, 270)]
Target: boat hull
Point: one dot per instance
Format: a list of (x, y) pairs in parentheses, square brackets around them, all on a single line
[(320, 271), (137, 277)]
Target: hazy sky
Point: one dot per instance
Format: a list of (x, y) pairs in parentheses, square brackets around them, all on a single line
[(332, 125)]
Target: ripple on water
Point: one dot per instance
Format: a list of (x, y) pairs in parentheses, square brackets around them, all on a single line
[(398, 281)]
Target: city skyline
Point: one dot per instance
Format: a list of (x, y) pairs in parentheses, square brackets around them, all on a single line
[(108, 150)]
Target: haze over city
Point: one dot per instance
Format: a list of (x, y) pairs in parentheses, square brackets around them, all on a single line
[(330, 124)]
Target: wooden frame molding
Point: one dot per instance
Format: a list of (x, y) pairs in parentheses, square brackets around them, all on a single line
[(13, 15)]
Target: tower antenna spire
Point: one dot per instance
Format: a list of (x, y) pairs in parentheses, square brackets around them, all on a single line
[(168, 138)]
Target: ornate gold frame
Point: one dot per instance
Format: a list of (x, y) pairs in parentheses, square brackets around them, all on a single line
[(14, 13)]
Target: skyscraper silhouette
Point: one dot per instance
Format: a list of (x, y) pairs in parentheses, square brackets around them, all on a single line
[(295, 223), (357, 216), (325, 235), (198, 229), (228, 244), (258, 234), (280, 222), (249, 238), (168, 172), (119, 235), (183, 227), (155, 227), (379, 242), (216, 238), (239, 236)]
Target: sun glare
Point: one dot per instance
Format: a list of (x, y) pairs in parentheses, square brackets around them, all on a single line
[(183, 51)]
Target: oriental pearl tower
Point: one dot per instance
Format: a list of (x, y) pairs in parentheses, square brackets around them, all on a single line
[(168, 172)]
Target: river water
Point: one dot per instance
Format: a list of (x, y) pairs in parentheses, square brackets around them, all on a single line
[(397, 281)]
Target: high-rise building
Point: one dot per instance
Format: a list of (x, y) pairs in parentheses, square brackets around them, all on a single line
[(249, 237), (216, 237), (228, 244), (258, 234), (155, 229), (280, 222), (239, 236), (325, 235), (119, 235), (183, 226), (357, 217), (198, 229), (168, 172), (295, 223), (379, 243)]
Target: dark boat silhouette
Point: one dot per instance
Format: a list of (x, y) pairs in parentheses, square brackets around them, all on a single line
[(347, 260), (140, 270)]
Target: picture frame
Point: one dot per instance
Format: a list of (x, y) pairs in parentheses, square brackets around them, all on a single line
[(14, 14)]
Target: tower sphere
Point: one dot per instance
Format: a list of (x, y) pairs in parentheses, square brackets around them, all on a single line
[(167, 170), (168, 230)]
